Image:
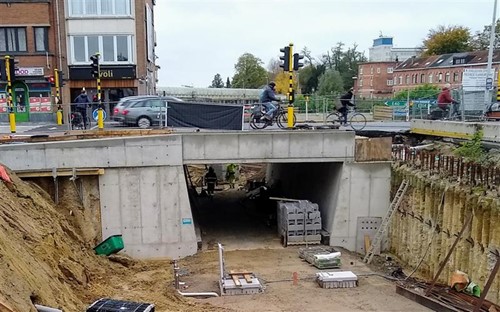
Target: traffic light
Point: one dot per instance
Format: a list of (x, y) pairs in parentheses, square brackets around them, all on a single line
[(51, 80), (285, 58), (95, 65), (60, 75), (296, 61), (12, 68), (3, 74)]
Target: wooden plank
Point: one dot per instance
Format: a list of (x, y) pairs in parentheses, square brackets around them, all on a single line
[(239, 272), (248, 278), (236, 280), (373, 149), (367, 243)]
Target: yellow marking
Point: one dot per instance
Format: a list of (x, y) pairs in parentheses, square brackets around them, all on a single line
[(441, 133)]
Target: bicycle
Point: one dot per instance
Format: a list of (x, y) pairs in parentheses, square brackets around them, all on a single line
[(357, 121), (280, 117)]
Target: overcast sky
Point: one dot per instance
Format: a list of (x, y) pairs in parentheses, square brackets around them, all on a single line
[(200, 38)]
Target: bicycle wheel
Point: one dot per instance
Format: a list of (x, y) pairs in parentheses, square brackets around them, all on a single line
[(333, 119), (357, 121), (282, 119), (256, 123)]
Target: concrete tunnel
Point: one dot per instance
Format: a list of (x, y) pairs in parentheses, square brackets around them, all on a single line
[(239, 223), (142, 192)]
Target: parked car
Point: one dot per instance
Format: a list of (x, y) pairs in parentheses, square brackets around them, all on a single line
[(147, 112), (124, 102)]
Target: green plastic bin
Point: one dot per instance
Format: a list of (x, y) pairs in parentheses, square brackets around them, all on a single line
[(111, 245)]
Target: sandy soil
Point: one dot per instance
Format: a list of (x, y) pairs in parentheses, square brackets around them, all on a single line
[(275, 268)]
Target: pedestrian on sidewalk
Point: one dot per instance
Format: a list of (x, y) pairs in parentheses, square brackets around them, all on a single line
[(82, 102)]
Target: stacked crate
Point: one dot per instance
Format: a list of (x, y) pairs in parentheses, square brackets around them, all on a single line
[(299, 222), (342, 279)]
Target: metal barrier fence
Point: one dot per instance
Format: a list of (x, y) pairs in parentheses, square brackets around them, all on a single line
[(451, 167)]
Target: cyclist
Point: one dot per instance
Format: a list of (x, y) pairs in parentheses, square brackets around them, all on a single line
[(82, 102), (444, 100), (267, 97), (345, 100)]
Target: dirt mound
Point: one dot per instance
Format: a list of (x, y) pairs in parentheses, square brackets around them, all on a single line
[(45, 259)]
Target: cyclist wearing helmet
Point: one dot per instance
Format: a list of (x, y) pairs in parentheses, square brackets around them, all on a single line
[(266, 98)]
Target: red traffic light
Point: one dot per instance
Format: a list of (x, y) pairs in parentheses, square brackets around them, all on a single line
[(51, 80)]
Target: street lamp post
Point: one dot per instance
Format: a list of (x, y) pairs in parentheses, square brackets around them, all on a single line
[(487, 94)]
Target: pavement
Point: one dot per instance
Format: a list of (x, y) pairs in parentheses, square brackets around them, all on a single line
[(32, 128)]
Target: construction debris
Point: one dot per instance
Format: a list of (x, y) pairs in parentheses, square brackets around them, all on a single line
[(321, 257), (237, 282), (342, 279)]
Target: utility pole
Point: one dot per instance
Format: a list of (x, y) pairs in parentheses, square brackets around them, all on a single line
[(96, 73), (487, 94), (57, 81), (9, 70)]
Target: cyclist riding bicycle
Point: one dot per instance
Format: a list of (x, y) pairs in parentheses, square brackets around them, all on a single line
[(446, 102), (345, 101), (267, 97)]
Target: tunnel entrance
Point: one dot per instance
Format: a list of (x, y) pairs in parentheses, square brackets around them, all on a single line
[(245, 217)]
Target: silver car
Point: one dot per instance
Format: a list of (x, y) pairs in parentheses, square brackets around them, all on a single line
[(147, 112), (124, 102)]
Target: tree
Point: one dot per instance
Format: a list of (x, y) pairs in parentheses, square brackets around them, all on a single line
[(451, 39), (217, 82), (345, 62), (330, 83), (282, 81), (309, 78), (249, 72), (228, 83), (481, 40), (425, 91)]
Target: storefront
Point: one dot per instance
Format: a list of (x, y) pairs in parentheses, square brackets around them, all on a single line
[(116, 82), (31, 96)]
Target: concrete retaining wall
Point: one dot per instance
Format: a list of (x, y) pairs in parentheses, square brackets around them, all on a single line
[(413, 230), (343, 191)]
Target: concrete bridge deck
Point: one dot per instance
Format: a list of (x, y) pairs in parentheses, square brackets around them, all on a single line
[(457, 129), (143, 193)]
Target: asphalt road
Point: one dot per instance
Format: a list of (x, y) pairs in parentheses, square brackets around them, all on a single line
[(44, 128)]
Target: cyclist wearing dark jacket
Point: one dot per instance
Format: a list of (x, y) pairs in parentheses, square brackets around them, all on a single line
[(266, 98), (345, 100)]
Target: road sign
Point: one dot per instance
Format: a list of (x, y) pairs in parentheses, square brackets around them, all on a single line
[(489, 83), (474, 79), (94, 114)]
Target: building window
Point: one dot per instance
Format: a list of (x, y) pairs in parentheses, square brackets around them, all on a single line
[(447, 77), (440, 77), (361, 70), (395, 82), (390, 82), (407, 79), (422, 78), (13, 39), (430, 78), (371, 82), (113, 49), (378, 70), (360, 82), (99, 7), (455, 77), (390, 70), (371, 70), (400, 80), (41, 39)]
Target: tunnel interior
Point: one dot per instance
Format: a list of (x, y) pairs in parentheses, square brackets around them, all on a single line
[(244, 217)]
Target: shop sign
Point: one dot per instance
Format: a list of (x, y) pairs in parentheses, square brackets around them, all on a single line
[(107, 72), (30, 71)]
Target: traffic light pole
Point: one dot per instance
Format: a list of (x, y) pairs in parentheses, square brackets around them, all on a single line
[(12, 116), (59, 113), (291, 96)]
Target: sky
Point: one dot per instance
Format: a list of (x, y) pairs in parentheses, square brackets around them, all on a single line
[(196, 39)]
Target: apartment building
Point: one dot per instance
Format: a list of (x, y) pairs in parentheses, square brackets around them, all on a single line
[(440, 69), (44, 35), (374, 80), (28, 34), (383, 50)]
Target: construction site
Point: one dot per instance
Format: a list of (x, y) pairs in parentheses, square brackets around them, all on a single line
[(337, 222)]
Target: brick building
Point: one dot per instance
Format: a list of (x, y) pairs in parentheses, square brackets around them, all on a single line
[(48, 34), (374, 80), (440, 69)]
